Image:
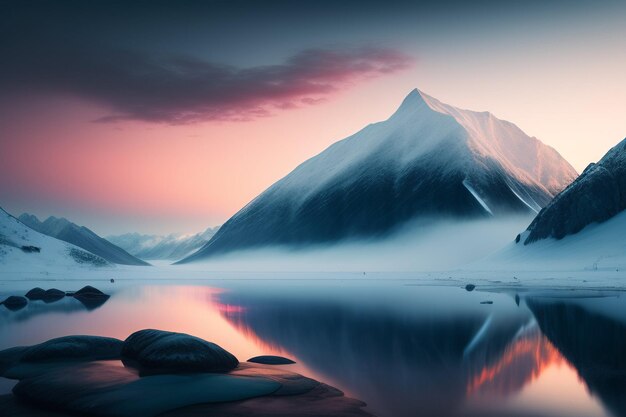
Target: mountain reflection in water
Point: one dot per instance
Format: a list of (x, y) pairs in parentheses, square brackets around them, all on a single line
[(404, 349), (467, 360)]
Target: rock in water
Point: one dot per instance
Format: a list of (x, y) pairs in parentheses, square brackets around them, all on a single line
[(15, 302), (53, 295), (271, 360), (89, 291), (90, 297), (159, 351), (36, 294), (470, 287)]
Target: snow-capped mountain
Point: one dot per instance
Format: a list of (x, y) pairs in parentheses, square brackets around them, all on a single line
[(596, 196), (171, 247), (22, 247), (82, 237), (428, 159)]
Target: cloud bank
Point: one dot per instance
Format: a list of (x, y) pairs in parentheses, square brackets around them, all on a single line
[(186, 89)]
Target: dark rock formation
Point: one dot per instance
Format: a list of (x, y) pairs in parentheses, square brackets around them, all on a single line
[(36, 294), (271, 360), (159, 351), (15, 302), (31, 249), (63, 377), (48, 296), (74, 348)]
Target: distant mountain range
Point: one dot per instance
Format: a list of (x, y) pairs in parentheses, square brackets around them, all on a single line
[(171, 247), (22, 246), (63, 229), (428, 160)]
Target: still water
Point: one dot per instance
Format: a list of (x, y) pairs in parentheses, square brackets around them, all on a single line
[(403, 348)]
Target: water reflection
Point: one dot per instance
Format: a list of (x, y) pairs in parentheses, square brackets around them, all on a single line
[(405, 350), (477, 361), (592, 342)]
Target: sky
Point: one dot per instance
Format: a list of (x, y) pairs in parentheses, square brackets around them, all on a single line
[(159, 117)]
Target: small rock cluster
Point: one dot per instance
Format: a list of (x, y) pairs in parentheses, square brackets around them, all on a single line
[(90, 297)]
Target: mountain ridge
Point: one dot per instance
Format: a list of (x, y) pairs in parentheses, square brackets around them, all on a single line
[(427, 158), (81, 236)]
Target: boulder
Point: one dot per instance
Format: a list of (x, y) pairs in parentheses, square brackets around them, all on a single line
[(74, 348), (271, 360), (15, 302), (53, 295), (47, 296), (108, 390), (159, 351), (36, 294), (90, 297), (89, 291)]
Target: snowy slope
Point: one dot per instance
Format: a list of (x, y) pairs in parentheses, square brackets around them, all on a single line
[(596, 196), (15, 254), (171, 247), (82, 237), (428, 159), (598, 247)]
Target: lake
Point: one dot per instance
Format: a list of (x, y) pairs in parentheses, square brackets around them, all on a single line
[(404, 348)]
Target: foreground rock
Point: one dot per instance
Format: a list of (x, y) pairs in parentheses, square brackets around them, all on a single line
[(168, 352), (271, 360), (109, 390), (67, 376)]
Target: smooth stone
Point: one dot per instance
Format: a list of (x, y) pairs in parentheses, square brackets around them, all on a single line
[(291, 382), (271, 360), (109, 390), (322, 401), (15, 302), (74, 348), (89, 290), (47, 296), (36, 294), (9, 357), (52, 295), (90, 297), (159, 351), (470, 287)]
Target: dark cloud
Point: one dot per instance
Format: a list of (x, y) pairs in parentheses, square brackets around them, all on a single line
[(184, 89)]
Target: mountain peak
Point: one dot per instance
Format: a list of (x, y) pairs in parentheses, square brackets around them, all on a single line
[(413, 100), (428, 159)]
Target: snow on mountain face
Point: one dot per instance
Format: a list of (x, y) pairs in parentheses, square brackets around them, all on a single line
[(428, 159), (22, 248), (171, 247), (596, 196), (82, 237)]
